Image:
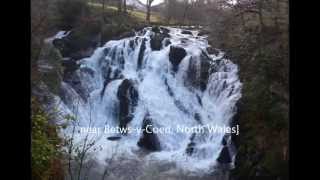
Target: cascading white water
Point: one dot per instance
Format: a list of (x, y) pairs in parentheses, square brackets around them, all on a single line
[(200, 90)]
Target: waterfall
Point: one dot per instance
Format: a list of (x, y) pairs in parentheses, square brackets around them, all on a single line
[(162, 78)]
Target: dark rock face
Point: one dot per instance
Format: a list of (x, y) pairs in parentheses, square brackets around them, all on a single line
[(69, 66), (141, 53), (149, 140), (224, 157), (77, 45), (176, 55), (192, 73), (73, 80), (198, 74), (204, 71), (236, 121), (128, 100), (110, 76), (156, 41)]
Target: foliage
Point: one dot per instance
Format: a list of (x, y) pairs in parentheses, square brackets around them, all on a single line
[(44, 144), (70, 13), (261, 50)]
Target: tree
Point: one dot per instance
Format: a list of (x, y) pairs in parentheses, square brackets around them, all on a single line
[(149, 2), (125, 6), (119, 6)]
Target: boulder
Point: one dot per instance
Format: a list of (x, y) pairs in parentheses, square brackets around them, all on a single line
[(149, 139), (176, 55), (156, 39), (128, 100)]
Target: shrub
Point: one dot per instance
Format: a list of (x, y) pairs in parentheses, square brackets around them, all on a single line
[(44, 143)]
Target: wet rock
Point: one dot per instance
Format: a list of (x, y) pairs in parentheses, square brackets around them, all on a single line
[(156, 40), (192, 73), (141, 53), (199, 72), (186, 32), (213, 51), (106, 51), (149, 139), (107, 79), (176, 55), (155, 29), (132, 44), (77, 45), (191, 146), (87, 70), (180, 106), (199, 100), (73, 80), (164, 30), (110, 76), (203, 32), (168, 88), (70, 66), (128, 100), (114, 138), (224, 157), (197, 117), (204, 71), (167, 42)]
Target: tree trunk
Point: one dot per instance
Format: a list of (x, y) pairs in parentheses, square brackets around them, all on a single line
[(261, 27), (119, 6), (125, 6), (185, 12), (148, 10)]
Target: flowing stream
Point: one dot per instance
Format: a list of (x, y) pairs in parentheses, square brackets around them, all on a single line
[(162, 79)]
